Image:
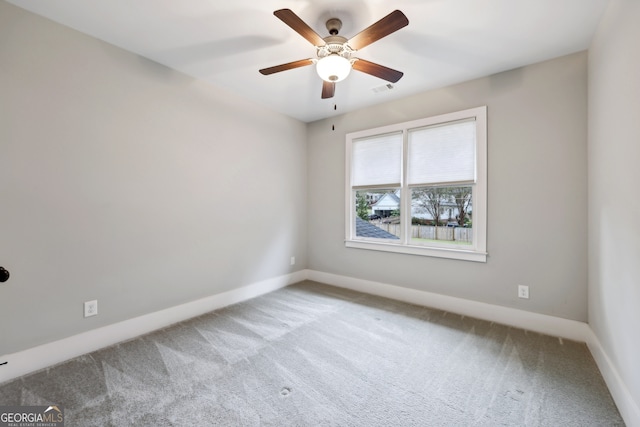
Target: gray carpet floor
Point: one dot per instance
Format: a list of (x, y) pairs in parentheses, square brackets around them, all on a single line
[(316, 355)]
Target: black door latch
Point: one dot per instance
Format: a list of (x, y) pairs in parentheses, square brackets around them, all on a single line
[(4, 275)]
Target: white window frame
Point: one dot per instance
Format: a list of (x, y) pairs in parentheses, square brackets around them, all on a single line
[(478, 251)]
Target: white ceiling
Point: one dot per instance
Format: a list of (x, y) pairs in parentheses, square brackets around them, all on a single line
[(227, 42)]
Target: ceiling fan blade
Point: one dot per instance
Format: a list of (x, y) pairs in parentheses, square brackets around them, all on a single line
[(377, 70), (287, 66), (387, 25), (328, 89), (299, 26)]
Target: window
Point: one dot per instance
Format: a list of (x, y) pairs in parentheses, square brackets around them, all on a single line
[(420, 187)]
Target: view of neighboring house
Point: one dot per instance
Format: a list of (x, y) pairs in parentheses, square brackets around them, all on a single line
[(372, 198), (386, 203)]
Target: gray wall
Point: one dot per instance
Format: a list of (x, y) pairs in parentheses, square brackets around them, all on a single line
[(614, 198), (126, 182), (537, 121)]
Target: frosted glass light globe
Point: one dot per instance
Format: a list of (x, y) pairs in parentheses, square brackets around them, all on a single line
[(333, 68)]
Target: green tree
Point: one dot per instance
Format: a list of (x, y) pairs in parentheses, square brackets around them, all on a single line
[(362, 207)]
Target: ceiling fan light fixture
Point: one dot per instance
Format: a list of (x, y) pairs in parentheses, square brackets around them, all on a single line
[(333, 68), (334, 52)]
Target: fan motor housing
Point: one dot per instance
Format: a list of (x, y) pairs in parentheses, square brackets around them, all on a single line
[(336, 45)]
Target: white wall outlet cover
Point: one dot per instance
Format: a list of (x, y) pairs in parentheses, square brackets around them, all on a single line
[(90, 308), (523, 291)]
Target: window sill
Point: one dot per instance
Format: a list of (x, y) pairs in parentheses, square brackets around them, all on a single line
[(458, 254)]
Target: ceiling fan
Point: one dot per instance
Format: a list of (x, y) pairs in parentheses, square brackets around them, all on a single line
[(335, 53)]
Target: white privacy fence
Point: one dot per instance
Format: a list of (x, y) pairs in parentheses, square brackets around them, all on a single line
[(458, 234)]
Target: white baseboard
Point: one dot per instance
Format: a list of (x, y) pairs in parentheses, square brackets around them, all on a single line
[(628, 408), (550, 325), (46, 355)]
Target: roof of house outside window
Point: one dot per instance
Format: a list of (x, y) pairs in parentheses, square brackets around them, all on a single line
[(366, 229)]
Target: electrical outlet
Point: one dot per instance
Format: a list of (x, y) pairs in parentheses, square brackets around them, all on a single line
[(90, 308), (523, 291), (293, 260)]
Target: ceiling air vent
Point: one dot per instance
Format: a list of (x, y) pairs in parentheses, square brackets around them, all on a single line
[(383, 88)]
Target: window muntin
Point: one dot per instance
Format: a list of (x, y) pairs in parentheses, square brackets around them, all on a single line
[(443, 155)]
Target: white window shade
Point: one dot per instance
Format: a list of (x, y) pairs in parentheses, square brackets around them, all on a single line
[(377, 161), (442, 154)]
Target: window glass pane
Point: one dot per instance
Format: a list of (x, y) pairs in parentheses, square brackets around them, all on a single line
[(442, 215), (377, 214), (443, 153), (377, 160)]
